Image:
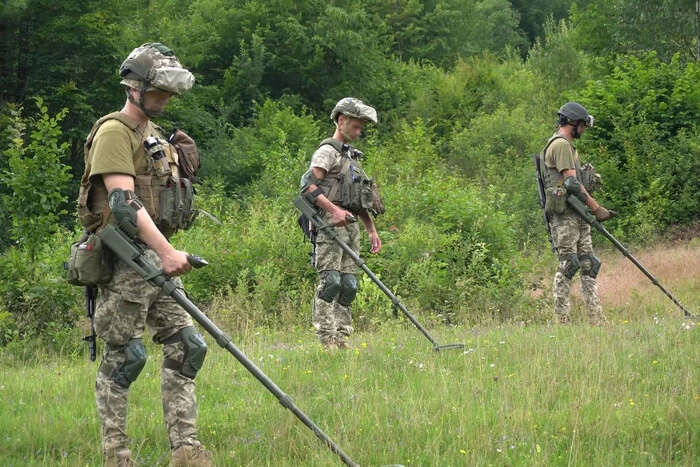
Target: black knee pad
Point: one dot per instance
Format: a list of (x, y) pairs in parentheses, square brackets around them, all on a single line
[(348, 289), (571, 265), (590, 265), (127, 372), (331, 286), (195, 351)]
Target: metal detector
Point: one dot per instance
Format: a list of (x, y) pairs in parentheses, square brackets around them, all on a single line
[(312, 214), (580, 209), (123, 246)]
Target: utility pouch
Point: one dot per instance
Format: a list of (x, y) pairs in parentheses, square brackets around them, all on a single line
[(176, 204), (555, 200), (189, 158), (366, 193), (89, 263)]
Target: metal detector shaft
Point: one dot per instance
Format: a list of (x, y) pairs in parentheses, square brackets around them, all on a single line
[(310, 212), (580, 209), (132, 254)]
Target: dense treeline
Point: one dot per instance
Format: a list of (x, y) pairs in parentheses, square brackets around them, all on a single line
[(466, 91)]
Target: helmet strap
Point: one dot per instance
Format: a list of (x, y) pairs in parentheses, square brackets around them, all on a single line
[(140, 103)]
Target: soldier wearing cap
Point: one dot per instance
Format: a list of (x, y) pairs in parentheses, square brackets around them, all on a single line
[(343, 192), (571, 235), (131, 170)]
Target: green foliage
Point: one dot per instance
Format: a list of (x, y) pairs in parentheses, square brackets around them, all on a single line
[(637, 27), (36, 301), (646, 144), (36, 177)]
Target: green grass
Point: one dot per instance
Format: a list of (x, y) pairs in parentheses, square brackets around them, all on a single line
[(519, 394), (626, 394)]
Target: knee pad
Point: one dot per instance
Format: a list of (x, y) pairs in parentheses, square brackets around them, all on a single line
[(590, 265), (195, 351), (135, 359), (348, 289), (570, 266), (331, 286)]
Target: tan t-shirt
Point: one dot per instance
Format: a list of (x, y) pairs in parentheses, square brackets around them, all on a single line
[(561, 154), (326, 158)]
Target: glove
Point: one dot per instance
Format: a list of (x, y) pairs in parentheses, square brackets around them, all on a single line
[(601, 214)]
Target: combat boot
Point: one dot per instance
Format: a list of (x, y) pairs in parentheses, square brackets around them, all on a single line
[(330, 344), (191, 455), (598, 320), (119, 458), (563, 319), (343, 343)]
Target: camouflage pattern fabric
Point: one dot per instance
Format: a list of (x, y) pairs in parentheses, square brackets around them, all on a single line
[(126, 306), (333, 322), (571, 235)]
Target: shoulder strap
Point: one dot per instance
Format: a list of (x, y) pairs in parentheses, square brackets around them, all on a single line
[(133, 125), (338, 146), (551, 140), (334, 143)]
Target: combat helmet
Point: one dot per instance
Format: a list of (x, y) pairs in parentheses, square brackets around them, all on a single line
[(573, 111), (155, 66), (354, 108)]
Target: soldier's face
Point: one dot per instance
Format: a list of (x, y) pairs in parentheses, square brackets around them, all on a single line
[(351, 128), (156, 100)]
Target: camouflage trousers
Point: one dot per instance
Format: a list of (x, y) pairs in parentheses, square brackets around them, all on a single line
[(572, 237), (332, 320), (126, 305)]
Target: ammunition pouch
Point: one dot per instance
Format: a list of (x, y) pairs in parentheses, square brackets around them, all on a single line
[(176, 204), (356, 193), (89, 263), (555, 200)]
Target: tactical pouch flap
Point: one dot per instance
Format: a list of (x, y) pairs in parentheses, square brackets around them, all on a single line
[(89, 263), (555, 200), (189, 159)]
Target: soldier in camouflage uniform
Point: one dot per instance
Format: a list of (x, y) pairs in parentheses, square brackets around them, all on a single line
[(571, 235), (336, 184), (123, 182)]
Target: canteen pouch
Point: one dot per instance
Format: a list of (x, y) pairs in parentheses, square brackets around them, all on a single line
[(555, 200), (89, 263)]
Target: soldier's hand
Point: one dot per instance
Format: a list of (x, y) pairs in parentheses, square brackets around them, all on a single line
[(175, 263), (340, 217), (601, 214)]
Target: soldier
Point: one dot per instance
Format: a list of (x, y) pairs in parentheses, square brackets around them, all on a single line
[(571, 235), (339, 187), (132, 174)]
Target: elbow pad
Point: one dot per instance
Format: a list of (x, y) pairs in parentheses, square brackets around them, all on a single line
[(307, 180), (124, 206), (573, 186)]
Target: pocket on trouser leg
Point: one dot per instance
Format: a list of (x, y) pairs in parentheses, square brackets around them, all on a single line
[(116, 316)]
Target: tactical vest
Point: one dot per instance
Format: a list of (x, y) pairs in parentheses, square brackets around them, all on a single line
[(346, 184), (167, 197), (551, 176)]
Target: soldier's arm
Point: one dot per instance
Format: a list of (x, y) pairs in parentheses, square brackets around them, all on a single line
[(338, 214), (174, 261), (590, 201), (375, 241)]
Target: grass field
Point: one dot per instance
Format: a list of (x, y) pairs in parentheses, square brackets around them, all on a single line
[(517, 394)]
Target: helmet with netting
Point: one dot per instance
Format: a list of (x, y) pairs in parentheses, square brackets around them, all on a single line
[(354, 108), (155, 66)]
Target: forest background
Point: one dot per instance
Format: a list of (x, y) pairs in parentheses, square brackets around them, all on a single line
[(466, 91)]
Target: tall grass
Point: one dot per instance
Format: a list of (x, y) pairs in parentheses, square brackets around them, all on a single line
[(518, 394)]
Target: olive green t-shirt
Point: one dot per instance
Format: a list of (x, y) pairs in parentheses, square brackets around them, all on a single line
[(561, 154), (113, 149)]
